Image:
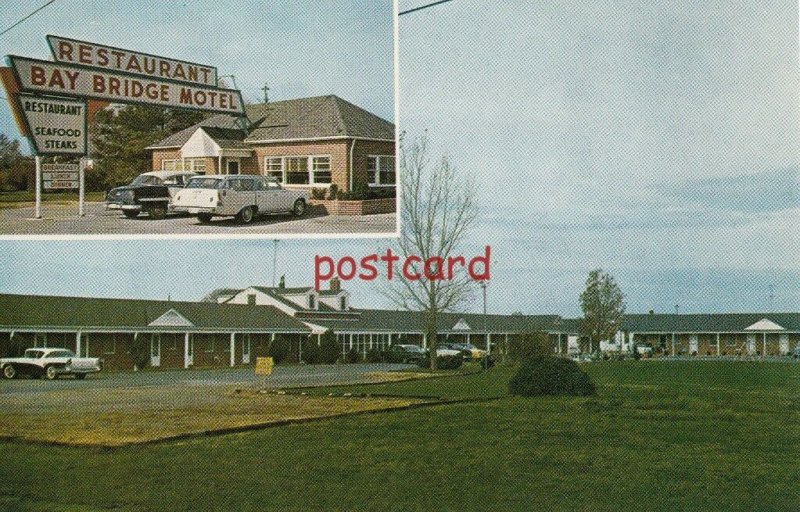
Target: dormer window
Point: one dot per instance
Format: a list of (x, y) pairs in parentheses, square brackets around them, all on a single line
[(311, 302), (343, 303), (251, 299)]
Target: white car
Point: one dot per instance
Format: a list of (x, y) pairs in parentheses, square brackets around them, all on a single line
[(241, 196), (50, 363)]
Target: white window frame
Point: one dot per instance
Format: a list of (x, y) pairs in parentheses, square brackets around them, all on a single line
[(173, 161), (310, 161), (377, 182)]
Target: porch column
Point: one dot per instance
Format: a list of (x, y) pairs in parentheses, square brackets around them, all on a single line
[(219, 164), (488, 342), (370, 341), (77, 343), (233, 349), (673, 343), (718, 352), (319, 339), (468, 339), (764, 353), (186, 350), (351, 342), (424, 340)]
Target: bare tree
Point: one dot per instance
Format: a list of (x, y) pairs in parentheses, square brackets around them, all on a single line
[(437, 210)]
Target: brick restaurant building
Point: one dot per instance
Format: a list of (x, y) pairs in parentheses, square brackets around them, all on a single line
[(304, 143)]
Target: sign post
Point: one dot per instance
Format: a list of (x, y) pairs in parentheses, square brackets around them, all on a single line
[(38, 210)]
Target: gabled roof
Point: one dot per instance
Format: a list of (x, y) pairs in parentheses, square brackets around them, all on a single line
[(305, 118), (709, 323), (226, 138), (220, 292), (41, 312)]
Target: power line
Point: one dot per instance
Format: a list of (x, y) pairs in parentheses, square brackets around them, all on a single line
[(26, 17), (415, 9)]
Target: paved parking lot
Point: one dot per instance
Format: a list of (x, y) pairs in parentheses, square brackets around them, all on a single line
[(283, 376), (59, 219)]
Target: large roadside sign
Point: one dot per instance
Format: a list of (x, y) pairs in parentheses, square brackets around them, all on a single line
[(56, 126), (129, 61), (58, 79)]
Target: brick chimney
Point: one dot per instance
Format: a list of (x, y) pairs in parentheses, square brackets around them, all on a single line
[(336, 285)]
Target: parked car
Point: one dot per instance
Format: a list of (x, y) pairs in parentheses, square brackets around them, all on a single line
[(50, 363), (447, 349), (796, 352), (469, 351), (151, 193), (404, 354), (240, 196)]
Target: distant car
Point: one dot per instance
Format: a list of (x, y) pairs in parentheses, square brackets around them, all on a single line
[(469, 351), (404, 354), (151, 193), (241, 196), (447, 349), (796, 352), (49, 363)]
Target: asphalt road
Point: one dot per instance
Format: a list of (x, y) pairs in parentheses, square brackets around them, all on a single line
[(282, 377), (59, 219)]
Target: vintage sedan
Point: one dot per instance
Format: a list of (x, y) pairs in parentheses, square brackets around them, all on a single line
[(49, 363), (404, 354), (240, 196), (151, 193)]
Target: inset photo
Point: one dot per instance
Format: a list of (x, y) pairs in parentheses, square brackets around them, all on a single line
[(183, 120)]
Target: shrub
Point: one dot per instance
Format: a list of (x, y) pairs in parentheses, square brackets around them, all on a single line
[(333, 191), (550, 376), (279, 349), (311, 351), (374, 356), (352, 356), (443, 362), (140, 351), (528, 346), (328, 348), (317, 193)]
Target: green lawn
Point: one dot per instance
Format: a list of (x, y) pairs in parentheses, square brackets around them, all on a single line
[(26, 198), (659, 436)]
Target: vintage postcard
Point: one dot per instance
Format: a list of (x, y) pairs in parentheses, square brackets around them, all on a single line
[(591, 300)]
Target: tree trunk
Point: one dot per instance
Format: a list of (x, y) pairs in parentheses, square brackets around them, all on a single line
[(432, 334)]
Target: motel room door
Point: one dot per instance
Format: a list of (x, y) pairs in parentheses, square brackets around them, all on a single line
[(155, 350)]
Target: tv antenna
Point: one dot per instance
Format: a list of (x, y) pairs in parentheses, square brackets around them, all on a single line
[(266, 93)]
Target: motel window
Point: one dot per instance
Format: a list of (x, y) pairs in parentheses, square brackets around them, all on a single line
[(273, 167), (343, 303), (169, 165), (381, 171), (197, 165), (311, 302), (299, 170)]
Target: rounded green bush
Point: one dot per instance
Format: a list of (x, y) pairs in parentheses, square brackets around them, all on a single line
[(550, 376)]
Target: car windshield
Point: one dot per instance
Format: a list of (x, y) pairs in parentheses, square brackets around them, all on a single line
[(212, 183), (34, 354), (146, 179)]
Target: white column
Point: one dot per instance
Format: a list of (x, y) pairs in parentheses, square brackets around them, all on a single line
[(764, 353), (673, 343), (718, 352), (186, 350), (81, 187), (78, 343), (488, 343), (467, 338), (319, 339), (424, 340), (233, 349)]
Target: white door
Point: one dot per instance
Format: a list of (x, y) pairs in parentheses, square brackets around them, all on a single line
[(190, 351), (783, 340), (155, 350), (693, 344), (751, 344), (246, 349)]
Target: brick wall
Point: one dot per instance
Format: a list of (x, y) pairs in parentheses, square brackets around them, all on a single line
[(164, 154), (356, 208)]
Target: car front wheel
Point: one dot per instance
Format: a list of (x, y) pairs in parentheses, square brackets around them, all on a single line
[(9, 371), (80, 376), (246, 215), (51, 372), (131, 214), (204, 218), (157, 212), (299, 208)]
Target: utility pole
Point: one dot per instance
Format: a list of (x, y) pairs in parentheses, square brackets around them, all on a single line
[(274, 258)]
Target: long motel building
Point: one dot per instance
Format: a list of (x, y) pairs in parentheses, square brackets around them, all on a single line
[(232, 327)]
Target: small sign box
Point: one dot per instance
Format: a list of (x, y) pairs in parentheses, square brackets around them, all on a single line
[(60, 176), (264, 366)]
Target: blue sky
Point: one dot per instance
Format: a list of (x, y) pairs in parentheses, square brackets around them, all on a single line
[(658, 141)]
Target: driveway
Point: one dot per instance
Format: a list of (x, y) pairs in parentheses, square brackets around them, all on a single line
[(60, 219), (282, 377)]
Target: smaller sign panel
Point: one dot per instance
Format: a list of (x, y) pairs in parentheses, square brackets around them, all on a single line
[(60, 176), (56, 126), (263, 366)]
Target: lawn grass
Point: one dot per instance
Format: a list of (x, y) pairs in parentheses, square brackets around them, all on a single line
[(658, 436), (23, 198)]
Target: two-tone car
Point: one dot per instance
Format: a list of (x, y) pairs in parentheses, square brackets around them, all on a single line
[(49, 363), (241, 196), (405, 354), (151, 193)]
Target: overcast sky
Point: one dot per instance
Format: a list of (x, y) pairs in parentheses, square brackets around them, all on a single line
[(658, 141)]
